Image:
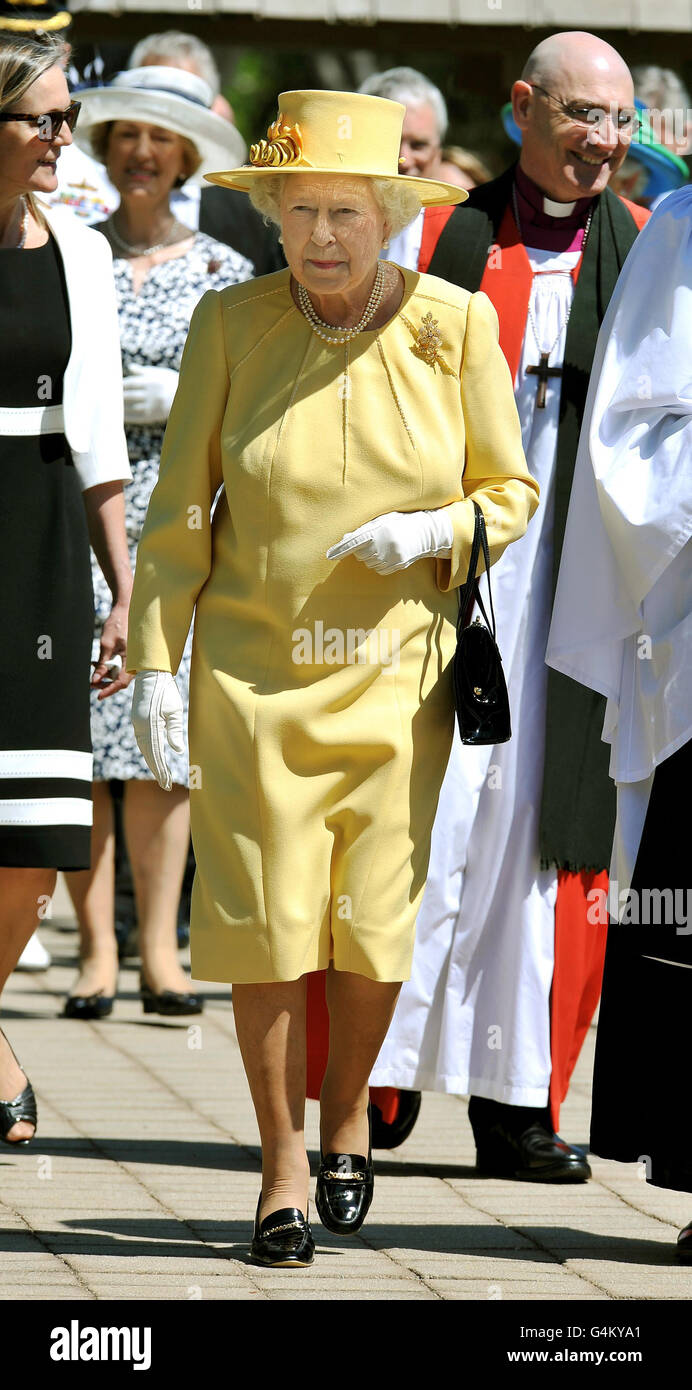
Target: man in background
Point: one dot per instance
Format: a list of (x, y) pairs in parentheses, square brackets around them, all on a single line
[(424, 129)]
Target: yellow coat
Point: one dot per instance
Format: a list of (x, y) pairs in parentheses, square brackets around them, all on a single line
[(321, 709)]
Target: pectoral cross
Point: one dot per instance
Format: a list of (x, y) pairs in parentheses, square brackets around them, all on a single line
[(543, 371)]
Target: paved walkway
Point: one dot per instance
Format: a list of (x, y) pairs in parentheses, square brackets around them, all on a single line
[(144, 1178)]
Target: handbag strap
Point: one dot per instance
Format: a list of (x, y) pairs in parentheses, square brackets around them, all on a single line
[(470, 592)]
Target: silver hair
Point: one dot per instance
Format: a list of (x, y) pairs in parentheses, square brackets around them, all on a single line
[(175, 45), (399, 203), (412, 89), (660, 88)]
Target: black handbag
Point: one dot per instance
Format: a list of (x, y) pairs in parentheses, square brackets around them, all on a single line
[(480, 689)]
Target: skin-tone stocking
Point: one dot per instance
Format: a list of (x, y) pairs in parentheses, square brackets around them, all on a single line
[(157, 827), (270, 1024)]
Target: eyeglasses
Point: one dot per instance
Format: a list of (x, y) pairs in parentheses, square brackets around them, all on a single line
[(50, 124), (627, 118)]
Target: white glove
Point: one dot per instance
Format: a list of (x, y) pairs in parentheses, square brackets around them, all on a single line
[(148, 394), (157, 715), (397, 539)]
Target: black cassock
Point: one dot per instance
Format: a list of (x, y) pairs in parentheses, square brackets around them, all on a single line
[(641, 1107)]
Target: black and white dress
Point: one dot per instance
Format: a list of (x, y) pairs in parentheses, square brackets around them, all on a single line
[(46, 612), (153, 327)]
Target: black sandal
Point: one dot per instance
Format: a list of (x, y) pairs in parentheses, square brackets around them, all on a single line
[(23, 1107)]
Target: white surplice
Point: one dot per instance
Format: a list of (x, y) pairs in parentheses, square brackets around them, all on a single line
[(622, 619), (474, 1017)]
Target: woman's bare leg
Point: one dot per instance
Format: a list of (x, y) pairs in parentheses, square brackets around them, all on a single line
[(21, 895), (360, 1012), (157, 831), (93, 894), (270, 1024)]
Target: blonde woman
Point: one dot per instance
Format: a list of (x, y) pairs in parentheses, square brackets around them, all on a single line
[(63, 465)]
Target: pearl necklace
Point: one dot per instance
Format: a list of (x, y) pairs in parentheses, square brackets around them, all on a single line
[(175, 228), (331, 333)]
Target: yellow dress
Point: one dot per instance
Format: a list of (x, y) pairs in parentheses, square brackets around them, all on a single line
[(321, 710)]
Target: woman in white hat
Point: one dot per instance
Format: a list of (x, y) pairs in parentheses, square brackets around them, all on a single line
[(153, 129), (352, 410)]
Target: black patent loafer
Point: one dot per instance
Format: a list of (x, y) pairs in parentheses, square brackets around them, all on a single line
[(683, 1248), (283, 1239), (88, 1006), (344, 1192), (390, 1136), (170, 1002), (535, 1155), (12, 1111)]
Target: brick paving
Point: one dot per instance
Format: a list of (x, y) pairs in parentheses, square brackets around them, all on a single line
[(143, 1180)]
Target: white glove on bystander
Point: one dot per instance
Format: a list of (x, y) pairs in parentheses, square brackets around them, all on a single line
[(157, 715), (148, 394), (395, 540)]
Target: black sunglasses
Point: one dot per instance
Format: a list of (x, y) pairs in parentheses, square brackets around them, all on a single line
[(50, 124)]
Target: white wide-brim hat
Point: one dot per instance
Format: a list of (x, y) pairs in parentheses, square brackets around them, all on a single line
[(347, 133), (171, 98)]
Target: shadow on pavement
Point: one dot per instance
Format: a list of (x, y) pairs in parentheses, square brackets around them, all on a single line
[(164, 1237), (175, 1153)]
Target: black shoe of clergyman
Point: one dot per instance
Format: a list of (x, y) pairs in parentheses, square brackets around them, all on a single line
[(535, 1155), (390, 1136), (683, 1248), (283, 1239)]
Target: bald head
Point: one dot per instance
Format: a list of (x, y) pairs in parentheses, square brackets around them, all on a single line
[(574, 106), (575, 56)]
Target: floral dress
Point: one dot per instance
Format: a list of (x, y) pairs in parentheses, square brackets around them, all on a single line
[(153, 329)]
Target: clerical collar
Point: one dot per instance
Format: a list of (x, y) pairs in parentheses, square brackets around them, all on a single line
[(544, 227)]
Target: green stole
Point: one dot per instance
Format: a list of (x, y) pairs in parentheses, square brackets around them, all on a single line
[(578, 802)]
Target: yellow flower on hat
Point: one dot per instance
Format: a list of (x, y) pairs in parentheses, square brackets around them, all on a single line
[(284, 145)]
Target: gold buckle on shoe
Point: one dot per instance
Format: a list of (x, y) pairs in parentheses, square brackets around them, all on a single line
[(344, 1177), (289, 1226)]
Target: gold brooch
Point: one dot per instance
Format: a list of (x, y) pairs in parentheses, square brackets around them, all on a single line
[(427, 344), (284, 145)]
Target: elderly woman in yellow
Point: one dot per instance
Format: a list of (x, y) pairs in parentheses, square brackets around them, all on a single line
[(349, 411)]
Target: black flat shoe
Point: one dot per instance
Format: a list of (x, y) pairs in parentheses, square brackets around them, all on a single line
[(283, 1239), (390, 1136), (88, 1006), (23, 1107), (344, 1191), (169, 1002)]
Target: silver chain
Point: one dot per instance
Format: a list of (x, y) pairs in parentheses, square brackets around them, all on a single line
[(23, 228), (173, 236)]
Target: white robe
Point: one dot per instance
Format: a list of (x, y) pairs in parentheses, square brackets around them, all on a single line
[(474, 1017), (622, 622)]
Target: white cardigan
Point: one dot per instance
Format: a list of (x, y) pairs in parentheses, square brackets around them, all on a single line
[(93, 383)]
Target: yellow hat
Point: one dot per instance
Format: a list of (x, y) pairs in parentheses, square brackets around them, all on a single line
[(335, 133)]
